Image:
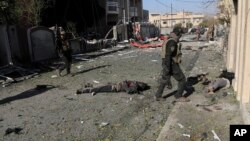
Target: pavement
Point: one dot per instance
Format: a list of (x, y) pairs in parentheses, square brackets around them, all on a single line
[(200, 120), (205, 119), (52, 115)]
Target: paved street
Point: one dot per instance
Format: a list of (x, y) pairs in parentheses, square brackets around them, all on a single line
[(58, 114)]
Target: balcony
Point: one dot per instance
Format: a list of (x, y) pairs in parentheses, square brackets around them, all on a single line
[(112, 7)]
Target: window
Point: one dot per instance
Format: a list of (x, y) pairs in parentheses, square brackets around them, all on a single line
[(112, 6), (133, 11)]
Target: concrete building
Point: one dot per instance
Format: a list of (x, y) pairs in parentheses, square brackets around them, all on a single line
[(169, 20), (117, 10), (145, 16), (86, 16), (239, 48)]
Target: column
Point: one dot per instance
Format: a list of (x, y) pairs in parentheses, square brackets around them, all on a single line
[(245, 96), (238, 48), (231, 44), (242, 45)]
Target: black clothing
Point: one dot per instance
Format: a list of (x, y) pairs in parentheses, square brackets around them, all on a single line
[(171, 68), (65, 55)]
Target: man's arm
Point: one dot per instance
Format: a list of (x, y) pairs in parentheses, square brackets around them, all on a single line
[(170, 48)]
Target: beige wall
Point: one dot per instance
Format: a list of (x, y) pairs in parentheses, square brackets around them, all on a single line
[(238, 59), (167, 20)]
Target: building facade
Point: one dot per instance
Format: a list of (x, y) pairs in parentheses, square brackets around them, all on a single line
[(123, 10), (169, 20), (239, 48)]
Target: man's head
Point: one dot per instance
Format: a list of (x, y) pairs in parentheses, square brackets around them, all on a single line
[(177, 31)]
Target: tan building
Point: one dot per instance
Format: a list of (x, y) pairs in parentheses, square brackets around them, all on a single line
[(169, 20), (117, 10), (238, 58)]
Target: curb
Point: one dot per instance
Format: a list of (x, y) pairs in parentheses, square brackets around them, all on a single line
[(171, 119), (245, 113)]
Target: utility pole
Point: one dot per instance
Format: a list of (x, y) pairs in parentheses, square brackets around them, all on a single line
[(183, 25), (134, 11), (124, 17), (160, 21), (124, 12), (171, 15)]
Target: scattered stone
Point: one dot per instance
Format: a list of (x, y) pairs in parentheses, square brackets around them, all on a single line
[(79, 67), (186, 135), (103, 124), (54, 76), (97, 82), (215, 136), (180, 125), (81, 122)]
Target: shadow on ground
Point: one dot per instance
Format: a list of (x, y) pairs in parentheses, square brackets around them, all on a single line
[(39, 89)]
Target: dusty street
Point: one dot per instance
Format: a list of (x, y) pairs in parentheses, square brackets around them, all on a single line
[(58, 114)]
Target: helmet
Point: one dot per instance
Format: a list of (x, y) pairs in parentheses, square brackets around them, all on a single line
[(178, 31)]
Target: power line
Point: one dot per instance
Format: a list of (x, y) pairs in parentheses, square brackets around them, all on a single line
[(176, 10), (188, 1)]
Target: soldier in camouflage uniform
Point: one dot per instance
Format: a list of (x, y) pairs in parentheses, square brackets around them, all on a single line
[(64, 52), (171, 58)]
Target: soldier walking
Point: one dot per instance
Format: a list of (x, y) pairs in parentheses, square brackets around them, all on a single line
[(171, 58), (64, 52)]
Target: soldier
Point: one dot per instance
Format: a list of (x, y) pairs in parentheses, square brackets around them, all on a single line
[(210, 33), (198, 33), (64, 52), (127, 86), (171, 58)]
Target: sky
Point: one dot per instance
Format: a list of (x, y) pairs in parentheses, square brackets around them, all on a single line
[(164, 6)]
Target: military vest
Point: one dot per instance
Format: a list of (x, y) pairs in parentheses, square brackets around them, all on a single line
[(177, 57)]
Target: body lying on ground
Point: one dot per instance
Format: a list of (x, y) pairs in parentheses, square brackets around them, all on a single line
[(217, 84), (128, 86)]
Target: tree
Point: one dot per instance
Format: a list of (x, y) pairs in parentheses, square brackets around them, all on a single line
[(178, 25), (189, 25), (225, 13), (7, 15), (29, 11), (207, 22)]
